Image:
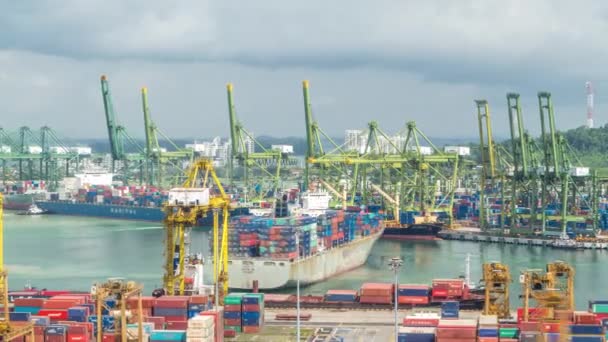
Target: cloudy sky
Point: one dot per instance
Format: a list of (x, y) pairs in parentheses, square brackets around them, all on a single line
[(390, 61)]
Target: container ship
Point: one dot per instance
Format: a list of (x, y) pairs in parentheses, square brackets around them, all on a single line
[(310, 243), (412, 226), (21, 195)]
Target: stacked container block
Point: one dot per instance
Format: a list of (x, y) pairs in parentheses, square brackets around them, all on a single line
[(488, 329), (457, 330), (376, 293), (413, 294), (233, 311), (174, 309), (218, 322), (252, 318), (416, 334), (200, 329)]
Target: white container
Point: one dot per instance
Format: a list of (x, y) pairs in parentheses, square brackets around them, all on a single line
[(34, 149), (191, 196), (579, 171), (460, 150)]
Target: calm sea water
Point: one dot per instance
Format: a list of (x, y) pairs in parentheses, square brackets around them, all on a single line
[(59, 252)]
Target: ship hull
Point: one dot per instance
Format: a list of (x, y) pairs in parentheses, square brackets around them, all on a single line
[(429, 232), (274, 274), (20, 201), (122, 212)]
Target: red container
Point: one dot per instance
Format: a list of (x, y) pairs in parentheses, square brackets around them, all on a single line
[(54, 315), (83, 298), (489, 339), (146, 302), (420, 322), (170, 325), (528, 326), (32, 302), (585, 318), (172, 302), (159, 322), (375, 300), (57, 292), (61, 304), (232, 322), (232, 308), (439, 292), (110, 337), (77, 338), (456, 333), (251, 329), (229, 333), (199, 299), (251, 307), (533, 314), (413, 300), (376, 289), (549, 327), (175, 319)]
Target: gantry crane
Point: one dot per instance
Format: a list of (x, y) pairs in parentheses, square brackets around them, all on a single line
[(553, 288), (120, 290), (8, 332), (185, 206), (497, 278)]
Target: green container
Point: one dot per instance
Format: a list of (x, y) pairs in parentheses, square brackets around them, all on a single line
[(235, 298), (508, 332), (600, 308), (236, 328)]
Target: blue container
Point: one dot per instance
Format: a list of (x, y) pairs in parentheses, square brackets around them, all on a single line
[(167, 335), (251, 322), (587, 339), (340, 298), (40, 320), (487, 332), (449, 314), (586, 329), (450, 305), (251, 315), (170, 312), (27, 309), (232, 314), (196, 307), (19, 316), (56, 330), (416, 337), (552, 337), (414, 292)]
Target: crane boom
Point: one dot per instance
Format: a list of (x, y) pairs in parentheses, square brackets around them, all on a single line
[(393, 201), (336, 193), (113, 128)]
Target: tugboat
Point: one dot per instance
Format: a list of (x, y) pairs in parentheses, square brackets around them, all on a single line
[(33, 210)]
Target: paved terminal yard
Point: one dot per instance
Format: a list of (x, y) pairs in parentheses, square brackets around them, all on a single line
[(335, 325)]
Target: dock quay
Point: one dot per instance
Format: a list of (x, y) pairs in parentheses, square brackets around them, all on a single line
[(469, 235)]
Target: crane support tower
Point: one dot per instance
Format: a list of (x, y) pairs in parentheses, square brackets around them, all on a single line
[(185, 206), (8, 332), (497, 278), (120, 290)]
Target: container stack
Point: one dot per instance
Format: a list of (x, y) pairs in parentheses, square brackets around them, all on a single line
[(376, 293), (341, 296), (174, 309), (586, 333), (252, 318), (413, 294), (417, 334), (488, 328), (599, 308), (218, 322), (233, 311), (147, 305), (56, 308), (200, 329), (447, 288), (508, 333), (450, 310), (198, 304), (461, 330), (29, 305)]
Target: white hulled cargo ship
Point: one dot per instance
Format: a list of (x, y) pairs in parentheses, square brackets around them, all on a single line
[(329, 242)]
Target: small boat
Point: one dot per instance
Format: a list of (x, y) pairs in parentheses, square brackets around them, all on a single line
[(33, 210)]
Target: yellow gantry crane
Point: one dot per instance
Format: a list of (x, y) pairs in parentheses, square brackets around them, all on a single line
[(120, 290), (183, 209), (8, 332), (496, 277), (552, 289)]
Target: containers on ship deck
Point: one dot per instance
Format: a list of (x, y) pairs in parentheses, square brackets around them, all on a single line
[(447, 288)]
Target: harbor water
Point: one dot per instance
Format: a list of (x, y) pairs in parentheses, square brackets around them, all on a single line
[(58, 252)]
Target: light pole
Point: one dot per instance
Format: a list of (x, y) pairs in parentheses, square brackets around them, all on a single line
[(298, 286), (395, 264)]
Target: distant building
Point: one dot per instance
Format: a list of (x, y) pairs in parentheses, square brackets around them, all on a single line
[(216, 150)]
